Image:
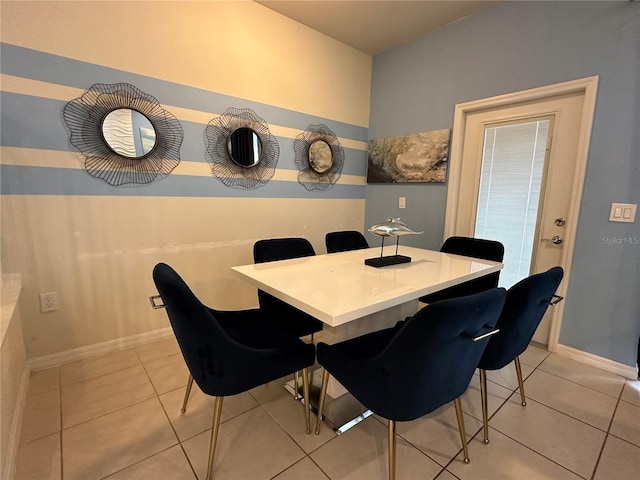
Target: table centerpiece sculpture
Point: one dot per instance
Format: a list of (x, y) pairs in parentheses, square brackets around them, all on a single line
[(393, 227)]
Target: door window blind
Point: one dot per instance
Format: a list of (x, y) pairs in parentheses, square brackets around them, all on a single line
[(510, 185)]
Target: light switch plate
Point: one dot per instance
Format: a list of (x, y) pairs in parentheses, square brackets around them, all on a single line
[(623, 212)]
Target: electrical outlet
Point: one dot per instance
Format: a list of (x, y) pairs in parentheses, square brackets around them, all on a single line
[(402, 202), (48, 302)]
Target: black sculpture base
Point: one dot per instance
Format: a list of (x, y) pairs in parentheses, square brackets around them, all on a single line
[(386, 261)]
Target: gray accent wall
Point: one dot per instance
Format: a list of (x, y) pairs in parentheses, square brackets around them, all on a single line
[(517, 46)]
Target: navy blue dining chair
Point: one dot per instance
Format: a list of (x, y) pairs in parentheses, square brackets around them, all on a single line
[(527, 302), (294, 320), (345, 241), (228, 353), (409, 370), (469, 247)]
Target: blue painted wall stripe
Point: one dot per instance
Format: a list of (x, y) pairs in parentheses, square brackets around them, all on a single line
[(35, 122), (20, 180), (46, 67)]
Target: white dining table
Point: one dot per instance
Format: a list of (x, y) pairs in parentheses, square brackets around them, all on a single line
[(352, 298)]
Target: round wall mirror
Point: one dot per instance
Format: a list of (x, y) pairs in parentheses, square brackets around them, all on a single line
[(124, 134), (245, 147), (240, 149), (320, 157), (128, 133)]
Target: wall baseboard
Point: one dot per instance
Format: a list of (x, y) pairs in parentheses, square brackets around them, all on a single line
[(600, 362), (57, 359), (16, 426)]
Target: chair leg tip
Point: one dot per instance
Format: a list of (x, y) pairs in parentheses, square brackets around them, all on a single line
[(486, 441), (524, 404), (466, 460)]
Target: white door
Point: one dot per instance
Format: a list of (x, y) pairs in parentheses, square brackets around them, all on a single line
[(520, 174)]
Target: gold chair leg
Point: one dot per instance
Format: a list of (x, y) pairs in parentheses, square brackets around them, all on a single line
[(295, 385), (217, 410), (323, 394), (186, 394), (463, 436), (305, 400), (392, 449), (520, 382), (485, 413)]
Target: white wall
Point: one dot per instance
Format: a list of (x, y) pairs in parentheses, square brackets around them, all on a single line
[(94, 244)]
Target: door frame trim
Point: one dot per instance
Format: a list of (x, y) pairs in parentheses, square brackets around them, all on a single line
[(585, 86)]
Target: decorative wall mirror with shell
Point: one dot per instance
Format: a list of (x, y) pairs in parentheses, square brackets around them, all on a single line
[(319, 157), (240, 149), (124, 134)]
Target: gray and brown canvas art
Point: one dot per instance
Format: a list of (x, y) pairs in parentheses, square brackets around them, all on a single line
[(418, 157)]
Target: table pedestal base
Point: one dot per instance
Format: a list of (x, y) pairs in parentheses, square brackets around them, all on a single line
[(340, 413), (367, 324), (341, 410)]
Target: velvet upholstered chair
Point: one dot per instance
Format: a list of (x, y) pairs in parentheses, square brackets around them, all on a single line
[(527, 302), (409, 370), (469, 247), (291, 318), (229, 352), (345, 241)]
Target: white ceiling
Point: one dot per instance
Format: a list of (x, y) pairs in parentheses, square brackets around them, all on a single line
[(376, 26)]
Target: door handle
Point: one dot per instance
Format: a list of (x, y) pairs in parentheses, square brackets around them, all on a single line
[(556, 240)]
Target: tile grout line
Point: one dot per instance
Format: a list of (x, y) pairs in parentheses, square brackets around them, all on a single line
[(606, 437), (107, 413), (546, 406), (570, 416), (580, 384), (117, 410), (282, 428), (166, 414), (442, 467), (93, 358), (513, 392), (106, 477), (538, 453)]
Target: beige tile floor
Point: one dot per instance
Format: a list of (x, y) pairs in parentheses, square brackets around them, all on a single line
[(118, 417)]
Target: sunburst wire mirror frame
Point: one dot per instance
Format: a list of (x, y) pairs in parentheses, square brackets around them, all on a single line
[(84, 117), (307, 176), (217, 137)]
